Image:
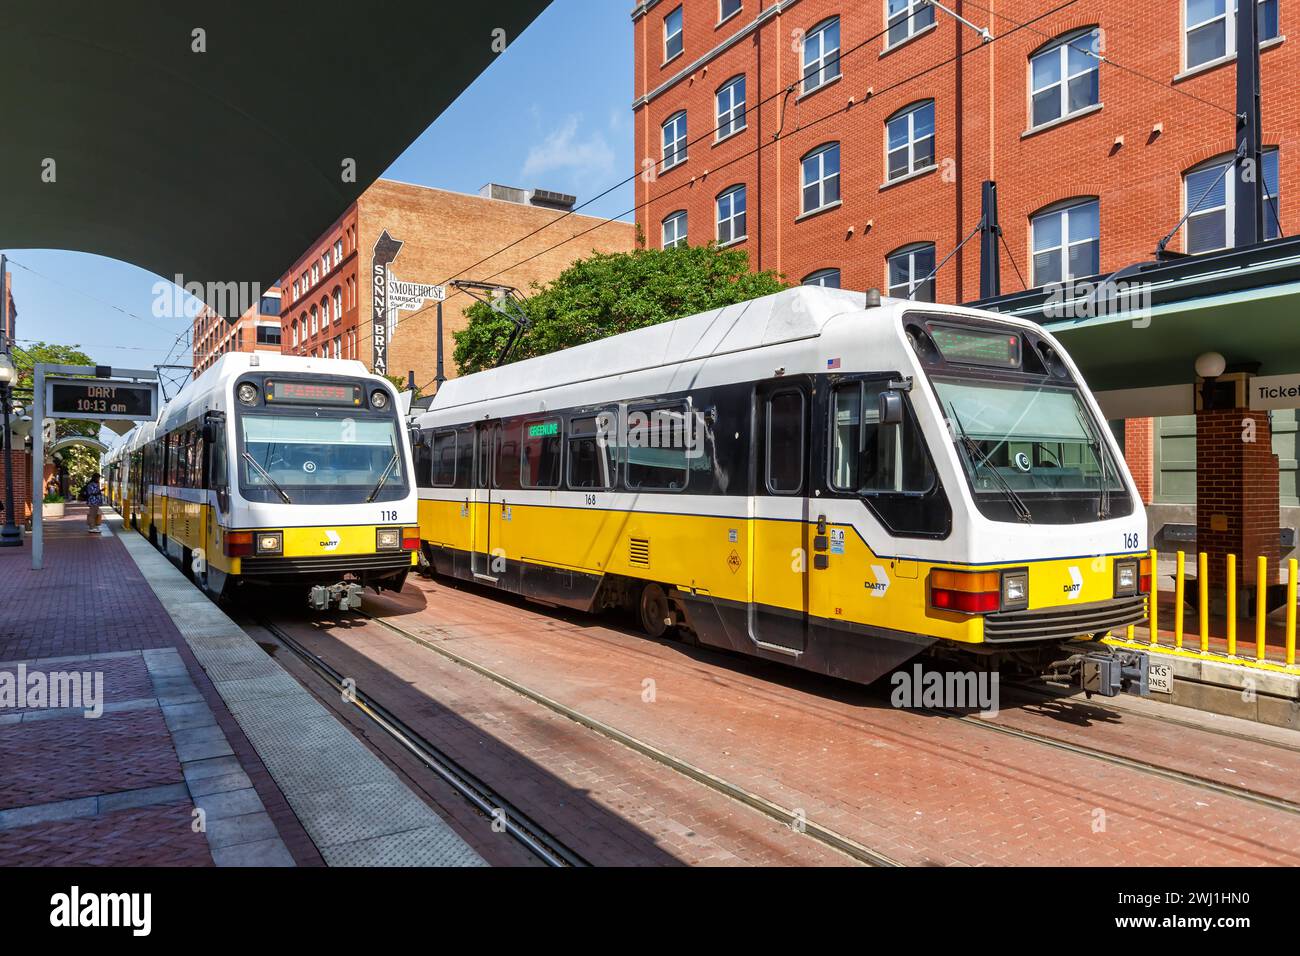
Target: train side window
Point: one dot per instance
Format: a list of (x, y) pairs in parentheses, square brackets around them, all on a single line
[(540, 454), (663, 445), (506, 441), (465, 456), (867, 458), (591, 455), (198, 455), (444, 459), (785, 444)]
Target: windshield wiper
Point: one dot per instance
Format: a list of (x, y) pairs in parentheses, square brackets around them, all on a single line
[(269, 480), (981, 461), (1103, 492), (388, 470)]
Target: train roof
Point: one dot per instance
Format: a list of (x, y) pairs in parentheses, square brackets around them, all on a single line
[(798, 313)]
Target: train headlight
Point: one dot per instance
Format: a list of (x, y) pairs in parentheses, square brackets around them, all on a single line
[(270, 542), (247, 393), (1126, 578), (388, 539), (379, 398), (1015, 590)]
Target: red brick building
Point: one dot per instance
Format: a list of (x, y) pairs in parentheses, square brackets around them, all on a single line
[(257, 330), (848, 143)]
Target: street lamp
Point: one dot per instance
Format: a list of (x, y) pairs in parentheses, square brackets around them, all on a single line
[(10, 535)]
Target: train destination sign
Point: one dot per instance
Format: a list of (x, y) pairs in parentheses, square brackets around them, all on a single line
[(101, 399), (312, 393)]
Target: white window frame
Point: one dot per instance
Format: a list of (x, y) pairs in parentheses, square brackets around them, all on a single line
[(678, 155), (729, 194), (908, 14), (1060, 49), (294, 327), (337, 300), (679, 35), (818, 278), (723, 15), (681, 238), (315, 273), (1062, 210), (1229, 207), (908, 115), (822, 179), (914, 281), (732, 118), (825, 66), (325, 264), (1229, 18), (338, 252)]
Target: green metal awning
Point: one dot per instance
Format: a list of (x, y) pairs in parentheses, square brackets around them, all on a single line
[(222, 164), (1243, 303)]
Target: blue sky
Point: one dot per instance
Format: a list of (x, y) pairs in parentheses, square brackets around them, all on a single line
[(554, 111)]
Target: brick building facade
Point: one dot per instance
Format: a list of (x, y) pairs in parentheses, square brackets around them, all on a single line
[(257, 330), (443, 235)]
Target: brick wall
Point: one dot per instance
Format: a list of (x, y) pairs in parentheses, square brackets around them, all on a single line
[(980, 95), (1138, 453), (22, 468), (1236, 491)]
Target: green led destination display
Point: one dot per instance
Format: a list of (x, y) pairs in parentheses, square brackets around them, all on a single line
[(543, 429), (977, 346)]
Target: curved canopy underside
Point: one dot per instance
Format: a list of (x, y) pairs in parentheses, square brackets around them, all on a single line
[(220, 155)]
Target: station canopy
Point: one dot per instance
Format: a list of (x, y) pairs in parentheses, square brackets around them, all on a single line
[(208, 140)]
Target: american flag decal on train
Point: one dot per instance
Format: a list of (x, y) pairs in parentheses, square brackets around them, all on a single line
[(833, 363)]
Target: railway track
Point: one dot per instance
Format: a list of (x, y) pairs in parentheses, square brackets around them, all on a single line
[(515, 822), (785, 815)]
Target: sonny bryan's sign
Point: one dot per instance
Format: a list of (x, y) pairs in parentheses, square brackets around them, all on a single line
[(413, 295), (390, 295), (1274, 391)]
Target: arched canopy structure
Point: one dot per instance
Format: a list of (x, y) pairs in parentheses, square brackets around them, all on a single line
[(71, 440), (214, 140)]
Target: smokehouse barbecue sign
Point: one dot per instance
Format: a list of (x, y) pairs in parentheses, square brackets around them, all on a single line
[(392, 294)]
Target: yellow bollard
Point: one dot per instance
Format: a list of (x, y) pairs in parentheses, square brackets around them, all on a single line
[(1232, 605), (1154, 599), (1290, 611), (1203, 598), (1178, 600), (1261, 606)]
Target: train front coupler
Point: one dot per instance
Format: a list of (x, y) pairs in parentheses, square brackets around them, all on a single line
[(1108, 671), (345, 595)]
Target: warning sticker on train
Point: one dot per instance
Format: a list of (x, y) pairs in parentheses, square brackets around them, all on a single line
[(733, 561)]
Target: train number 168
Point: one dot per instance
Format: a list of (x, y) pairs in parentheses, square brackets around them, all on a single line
[(1131, 541)]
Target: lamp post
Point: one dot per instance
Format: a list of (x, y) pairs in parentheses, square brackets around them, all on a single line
[(11, 536)]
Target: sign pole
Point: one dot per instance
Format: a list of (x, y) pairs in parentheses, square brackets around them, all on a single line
[(441, 377), (38, 464)]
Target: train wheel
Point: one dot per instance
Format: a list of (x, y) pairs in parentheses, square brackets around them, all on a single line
[(655, 611)]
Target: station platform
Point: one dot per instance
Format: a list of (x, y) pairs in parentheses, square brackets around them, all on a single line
[(140, 726)]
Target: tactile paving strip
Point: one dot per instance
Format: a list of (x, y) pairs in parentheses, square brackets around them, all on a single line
[(356, 810)]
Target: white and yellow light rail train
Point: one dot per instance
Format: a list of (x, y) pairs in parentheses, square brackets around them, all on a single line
[(276, 471), (817, 477)]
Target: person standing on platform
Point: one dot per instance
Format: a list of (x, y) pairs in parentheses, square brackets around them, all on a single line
[(94, 501)]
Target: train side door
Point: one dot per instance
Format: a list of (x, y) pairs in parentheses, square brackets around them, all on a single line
[(216, 484), (780, 532), (480, 502)]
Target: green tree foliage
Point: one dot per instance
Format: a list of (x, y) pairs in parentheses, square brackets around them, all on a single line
[(611, 293), (399, 383), (80, 461)]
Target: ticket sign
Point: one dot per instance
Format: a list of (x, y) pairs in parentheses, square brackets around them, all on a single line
[(101, 399), (1274, 391)]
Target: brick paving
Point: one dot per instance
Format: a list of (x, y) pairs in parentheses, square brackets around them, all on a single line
[(918, 787), (609, 804), (92, 599)]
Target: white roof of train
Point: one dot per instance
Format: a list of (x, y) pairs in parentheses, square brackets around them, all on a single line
[(785, 316)]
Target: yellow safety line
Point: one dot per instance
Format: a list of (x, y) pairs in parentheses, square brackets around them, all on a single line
[(1155, 598), (1203, 597), (1178, 600), (1232, 605), (1261, 603)]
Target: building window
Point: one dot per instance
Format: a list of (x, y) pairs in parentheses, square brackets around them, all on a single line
[(293, 331), (727, 8), (909, 140), (1211, 28), (731, 215), (826, 278), (906, 19), (1063, 77), (295, 288), (338, 252), (1067, 242), (325, 264), (268, 335), (314, 326), (1209, 196), (315, 273), (821, 54), (672, 34), (338, 304), (910, 272), (731, 107), (675, 230), (338, 347), (821, 177), (674, 140)]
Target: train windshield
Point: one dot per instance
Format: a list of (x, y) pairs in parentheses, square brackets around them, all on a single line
[(320, 456), (1032, 452)]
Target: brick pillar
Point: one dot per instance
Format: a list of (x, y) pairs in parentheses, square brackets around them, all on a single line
[(22, 469), (1236, 496), (1139, 454)]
